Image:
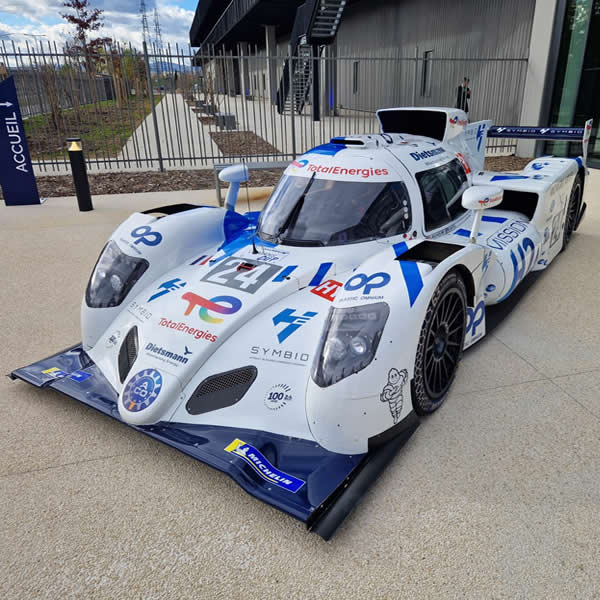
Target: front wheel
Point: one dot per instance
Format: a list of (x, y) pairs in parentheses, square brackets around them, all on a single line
[(440, 344), (572, 211)]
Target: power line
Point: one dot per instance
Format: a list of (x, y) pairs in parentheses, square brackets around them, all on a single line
[(157, 33), (144, 18)]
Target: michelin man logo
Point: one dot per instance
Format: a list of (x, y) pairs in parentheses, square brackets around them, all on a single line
[(392, 392)]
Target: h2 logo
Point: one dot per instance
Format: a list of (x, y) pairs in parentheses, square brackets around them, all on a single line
[(146, 236), (369, 282)]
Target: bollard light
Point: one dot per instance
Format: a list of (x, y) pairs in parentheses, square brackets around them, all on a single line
[(80, 178)]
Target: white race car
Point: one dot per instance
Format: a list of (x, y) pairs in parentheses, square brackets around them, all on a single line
[(295, 349)]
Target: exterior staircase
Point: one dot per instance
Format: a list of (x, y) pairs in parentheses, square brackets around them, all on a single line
[(316, 25)]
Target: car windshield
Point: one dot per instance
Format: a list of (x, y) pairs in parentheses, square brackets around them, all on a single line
[(324, 212)]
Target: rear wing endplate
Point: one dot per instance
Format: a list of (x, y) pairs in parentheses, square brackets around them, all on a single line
[(571, 134)]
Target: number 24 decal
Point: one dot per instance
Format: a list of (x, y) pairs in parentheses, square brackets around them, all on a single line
[(241, 274)]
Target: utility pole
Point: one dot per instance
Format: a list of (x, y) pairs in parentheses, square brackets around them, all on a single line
[(157, 33), (144, 18)]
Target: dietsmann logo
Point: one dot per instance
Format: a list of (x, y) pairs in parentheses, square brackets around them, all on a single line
[(427, 153), (166, 353)]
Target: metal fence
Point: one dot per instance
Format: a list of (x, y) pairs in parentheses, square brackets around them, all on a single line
[(172, 108)]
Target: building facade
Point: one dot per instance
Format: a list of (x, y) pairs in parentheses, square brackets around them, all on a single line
[(529, 62)]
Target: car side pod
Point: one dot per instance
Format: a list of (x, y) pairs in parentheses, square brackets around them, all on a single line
[(478, 198)]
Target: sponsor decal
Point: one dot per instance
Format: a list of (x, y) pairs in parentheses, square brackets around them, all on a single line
[(392, 392), (327, 289), (294, 322), (79, 376), (198, 334), (456, 121), (278, 396), (368, 282), (272, 255), (113, 340), (505, 236), (241, 274), (507, 177), (486, 261), (519, 268), (202, 260), (263, 467), (475, 317), (365, 173), (168, 286), (205, 305), (145, 235), (556, 230), (427, 153), (55, 372), (286, 357), (165, 354), (142, 390), (300, 164), (140, 312), (480, 131), (464, 163)]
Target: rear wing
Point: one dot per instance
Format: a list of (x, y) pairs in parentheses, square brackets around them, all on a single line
[(570, 134)]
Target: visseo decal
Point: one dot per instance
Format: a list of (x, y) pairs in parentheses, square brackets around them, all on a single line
[(520, 268), (507, 235)]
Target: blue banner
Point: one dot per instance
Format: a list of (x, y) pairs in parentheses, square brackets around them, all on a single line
[(537, 133), (16, 171)]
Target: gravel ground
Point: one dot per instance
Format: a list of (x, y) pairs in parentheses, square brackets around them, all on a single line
[(51, 186), (242, 143)]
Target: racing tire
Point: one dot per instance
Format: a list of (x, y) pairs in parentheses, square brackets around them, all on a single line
[(573, 208), (440, 345)]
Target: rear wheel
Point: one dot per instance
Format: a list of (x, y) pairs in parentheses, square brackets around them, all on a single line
[(572, 211), (440, 344)]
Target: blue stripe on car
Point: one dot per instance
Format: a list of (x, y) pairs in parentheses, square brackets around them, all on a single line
[(412, 278), (318, 278), (491, 219), (285, 273)]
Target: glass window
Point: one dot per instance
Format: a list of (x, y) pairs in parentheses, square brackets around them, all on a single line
[(442, 189), (321, 212)]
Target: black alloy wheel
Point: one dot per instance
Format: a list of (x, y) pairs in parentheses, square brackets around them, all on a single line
[(440, 344)]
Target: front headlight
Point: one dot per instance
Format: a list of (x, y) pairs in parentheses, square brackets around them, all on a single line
[(113, 277), (349, 342)]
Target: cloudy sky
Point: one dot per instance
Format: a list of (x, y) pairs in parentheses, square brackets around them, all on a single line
[(121, 20)]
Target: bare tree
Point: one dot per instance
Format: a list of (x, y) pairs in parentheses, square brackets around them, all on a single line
[(86, 20)]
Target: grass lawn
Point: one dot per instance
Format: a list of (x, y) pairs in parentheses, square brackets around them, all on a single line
[(104, 128)]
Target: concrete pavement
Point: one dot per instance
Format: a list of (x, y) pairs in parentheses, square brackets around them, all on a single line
[(497, 495)]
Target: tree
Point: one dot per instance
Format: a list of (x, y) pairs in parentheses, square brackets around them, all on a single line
[(86, 20)]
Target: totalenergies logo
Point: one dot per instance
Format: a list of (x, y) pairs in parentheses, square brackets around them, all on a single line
[(232, 306), (299, 163)]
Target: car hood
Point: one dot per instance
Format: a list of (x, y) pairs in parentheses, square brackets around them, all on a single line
[(185, 316)]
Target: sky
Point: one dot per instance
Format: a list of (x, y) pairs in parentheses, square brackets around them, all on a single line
[(121, 20)]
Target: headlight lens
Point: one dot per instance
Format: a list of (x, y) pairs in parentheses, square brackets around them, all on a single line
[(349, 342), (113, 277)]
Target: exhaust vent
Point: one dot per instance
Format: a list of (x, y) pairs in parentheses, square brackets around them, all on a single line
[(128, 353), (221, 391)]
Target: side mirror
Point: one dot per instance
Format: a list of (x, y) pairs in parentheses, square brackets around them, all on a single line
[(234, 175), (478, 198)]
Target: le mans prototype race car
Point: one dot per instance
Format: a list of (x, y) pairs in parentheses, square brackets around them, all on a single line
[(296, 349)]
